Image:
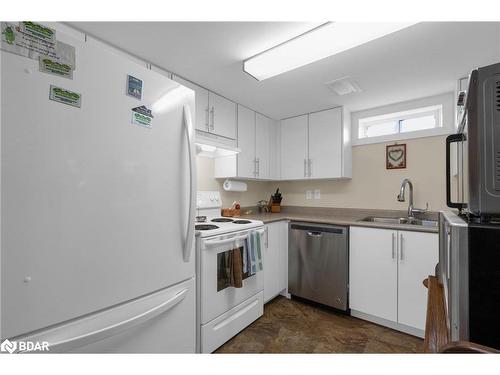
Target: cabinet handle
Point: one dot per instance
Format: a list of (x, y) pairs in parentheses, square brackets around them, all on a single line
[(309, 165), (255, 167), (207, 120), (212, 112), (401, 246), (267, 237), (393, 247), (305, 168), (258, 167)]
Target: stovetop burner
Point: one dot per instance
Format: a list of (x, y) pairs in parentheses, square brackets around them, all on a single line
[(242, 222), (205, 227), (222, 220)]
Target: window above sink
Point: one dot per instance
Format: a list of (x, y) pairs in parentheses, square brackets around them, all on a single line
[(414, 119)]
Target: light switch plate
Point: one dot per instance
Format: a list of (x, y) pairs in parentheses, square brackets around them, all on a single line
[(309, 194), (317, 194)]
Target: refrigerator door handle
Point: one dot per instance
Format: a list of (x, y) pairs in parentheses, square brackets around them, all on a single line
[(65, 344), (188, 126)]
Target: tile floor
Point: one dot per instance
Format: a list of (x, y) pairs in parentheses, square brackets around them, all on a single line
[(292, 326)]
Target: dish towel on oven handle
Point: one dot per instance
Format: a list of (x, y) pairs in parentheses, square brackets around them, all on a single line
[(235, 268), (253, 262)]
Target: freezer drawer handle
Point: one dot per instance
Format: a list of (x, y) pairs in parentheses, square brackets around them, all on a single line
[(67, 344)]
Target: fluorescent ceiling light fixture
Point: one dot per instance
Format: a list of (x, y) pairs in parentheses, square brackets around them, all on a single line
[(323, 41)]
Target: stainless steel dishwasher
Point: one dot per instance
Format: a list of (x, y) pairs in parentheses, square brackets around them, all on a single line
[(318, 263)]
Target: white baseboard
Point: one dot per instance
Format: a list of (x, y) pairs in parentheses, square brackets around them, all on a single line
[(387, 323)]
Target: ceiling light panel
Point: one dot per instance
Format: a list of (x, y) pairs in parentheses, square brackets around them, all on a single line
[(324, 41)]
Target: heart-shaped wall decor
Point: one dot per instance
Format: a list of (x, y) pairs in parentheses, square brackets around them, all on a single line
[(396, 155)]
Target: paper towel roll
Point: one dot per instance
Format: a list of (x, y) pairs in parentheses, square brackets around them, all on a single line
[(234, 186)]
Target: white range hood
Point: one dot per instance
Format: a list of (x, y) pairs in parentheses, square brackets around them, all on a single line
[(213, 146)]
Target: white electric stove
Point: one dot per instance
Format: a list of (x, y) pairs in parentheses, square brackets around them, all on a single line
[(223, 311), (208, 217)]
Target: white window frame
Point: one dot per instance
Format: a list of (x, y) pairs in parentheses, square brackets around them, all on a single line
[(440, 105)]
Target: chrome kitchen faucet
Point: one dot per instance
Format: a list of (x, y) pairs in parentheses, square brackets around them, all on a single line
[(401, 198)]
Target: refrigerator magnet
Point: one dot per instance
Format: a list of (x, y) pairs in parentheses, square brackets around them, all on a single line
[(142, 116), (64, 96), (134, 87)]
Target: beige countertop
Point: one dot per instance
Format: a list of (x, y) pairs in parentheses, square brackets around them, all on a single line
[(337, 216)]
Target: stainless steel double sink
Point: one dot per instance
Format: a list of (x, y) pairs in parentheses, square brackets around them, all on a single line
[(401, 220)]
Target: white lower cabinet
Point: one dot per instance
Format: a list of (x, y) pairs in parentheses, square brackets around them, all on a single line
[(275, 259), (373, 272), (386, 270), (418, 256)]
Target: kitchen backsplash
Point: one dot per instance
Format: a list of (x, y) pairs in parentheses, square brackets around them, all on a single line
[(371, 186)]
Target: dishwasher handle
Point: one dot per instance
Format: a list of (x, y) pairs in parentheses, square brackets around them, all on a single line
[(314, 230), (314, 234)]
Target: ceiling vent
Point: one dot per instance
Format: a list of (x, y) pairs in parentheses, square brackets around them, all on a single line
[(343, 86)]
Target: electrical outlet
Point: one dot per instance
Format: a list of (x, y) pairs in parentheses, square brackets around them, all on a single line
[(317, 194), (309, 194)]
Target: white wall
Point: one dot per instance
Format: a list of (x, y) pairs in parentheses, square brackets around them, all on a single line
[(206, 181), (373, 186)]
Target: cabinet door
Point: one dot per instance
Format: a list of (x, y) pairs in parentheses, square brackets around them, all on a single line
[(325, 144), (275, 259), (246, 143), (263, 129), (283, 257), (373, 271), (223, 116), (274, 151), (200, 112), (294, 142), (418, 255)]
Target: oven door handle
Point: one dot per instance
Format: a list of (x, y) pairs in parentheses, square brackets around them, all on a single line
[(225, 241), (454, 138), (212, 243)]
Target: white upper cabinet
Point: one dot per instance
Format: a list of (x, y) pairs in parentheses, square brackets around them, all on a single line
[(294, 144), (274, 151), (247, 166), (200, 113), (263, 129), (257, 157), (325, 144), (222, 116), (213, 113), (315, 146)]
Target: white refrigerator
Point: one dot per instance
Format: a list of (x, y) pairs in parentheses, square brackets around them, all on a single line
[(97, 229)]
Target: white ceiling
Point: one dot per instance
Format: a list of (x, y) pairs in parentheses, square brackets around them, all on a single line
[(422, 60)]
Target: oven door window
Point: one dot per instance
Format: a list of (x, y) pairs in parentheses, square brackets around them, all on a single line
[(224, 268)]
